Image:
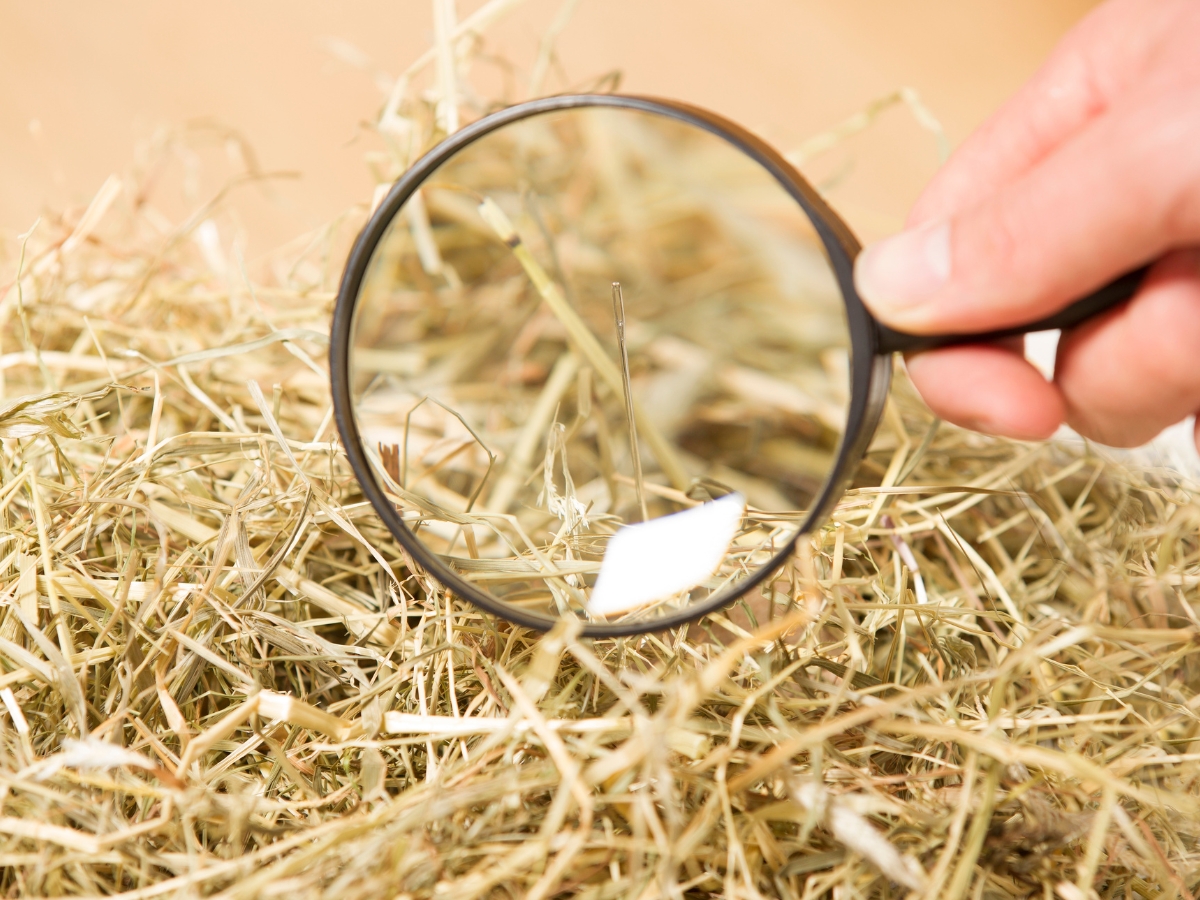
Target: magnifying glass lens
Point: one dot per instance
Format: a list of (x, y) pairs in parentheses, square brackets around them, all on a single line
[(600, 365)]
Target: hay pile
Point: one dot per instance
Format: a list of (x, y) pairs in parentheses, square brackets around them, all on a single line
[(220, 678)]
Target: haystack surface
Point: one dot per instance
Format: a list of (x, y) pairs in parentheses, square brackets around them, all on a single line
[(221, 677)]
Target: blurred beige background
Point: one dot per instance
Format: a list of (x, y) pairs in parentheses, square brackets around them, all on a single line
[(85, 83)]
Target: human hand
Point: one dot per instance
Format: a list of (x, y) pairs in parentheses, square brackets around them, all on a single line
[(1090, 171)]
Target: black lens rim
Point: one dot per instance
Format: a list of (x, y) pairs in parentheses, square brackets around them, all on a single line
[(870, 368)]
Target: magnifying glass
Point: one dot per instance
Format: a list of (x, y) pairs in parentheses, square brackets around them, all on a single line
[(601, 356)]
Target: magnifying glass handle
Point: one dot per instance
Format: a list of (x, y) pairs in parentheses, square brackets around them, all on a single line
[(1117, 291)]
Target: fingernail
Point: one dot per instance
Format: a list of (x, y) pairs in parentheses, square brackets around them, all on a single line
[(896, 275)]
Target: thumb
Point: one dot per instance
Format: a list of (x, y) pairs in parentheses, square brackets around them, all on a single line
[(1119, 193)]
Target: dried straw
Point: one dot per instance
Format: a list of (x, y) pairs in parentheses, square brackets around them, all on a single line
[(220, 677)]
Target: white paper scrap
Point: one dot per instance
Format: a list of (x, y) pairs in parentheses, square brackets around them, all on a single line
[(653, 560)]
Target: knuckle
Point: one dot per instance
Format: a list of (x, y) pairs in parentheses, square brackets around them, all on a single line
[(1164, 168), (987, 242)]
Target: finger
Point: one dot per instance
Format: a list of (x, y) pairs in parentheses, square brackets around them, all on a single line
[(988, 388), (1131, 373), (1123, 191), (1095, 63)]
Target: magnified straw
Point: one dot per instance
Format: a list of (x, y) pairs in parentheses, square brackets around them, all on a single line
[(619, 314), (740, 336)]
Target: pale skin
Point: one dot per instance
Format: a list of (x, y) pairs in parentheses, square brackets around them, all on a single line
[(1091, 170)]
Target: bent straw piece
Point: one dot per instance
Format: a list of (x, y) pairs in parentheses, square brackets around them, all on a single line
[(286, 708), (545, 54), (517, 465), (380, 632), (109, 191), (474, 24), (583, 338), (227, 726), (862, 120)]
